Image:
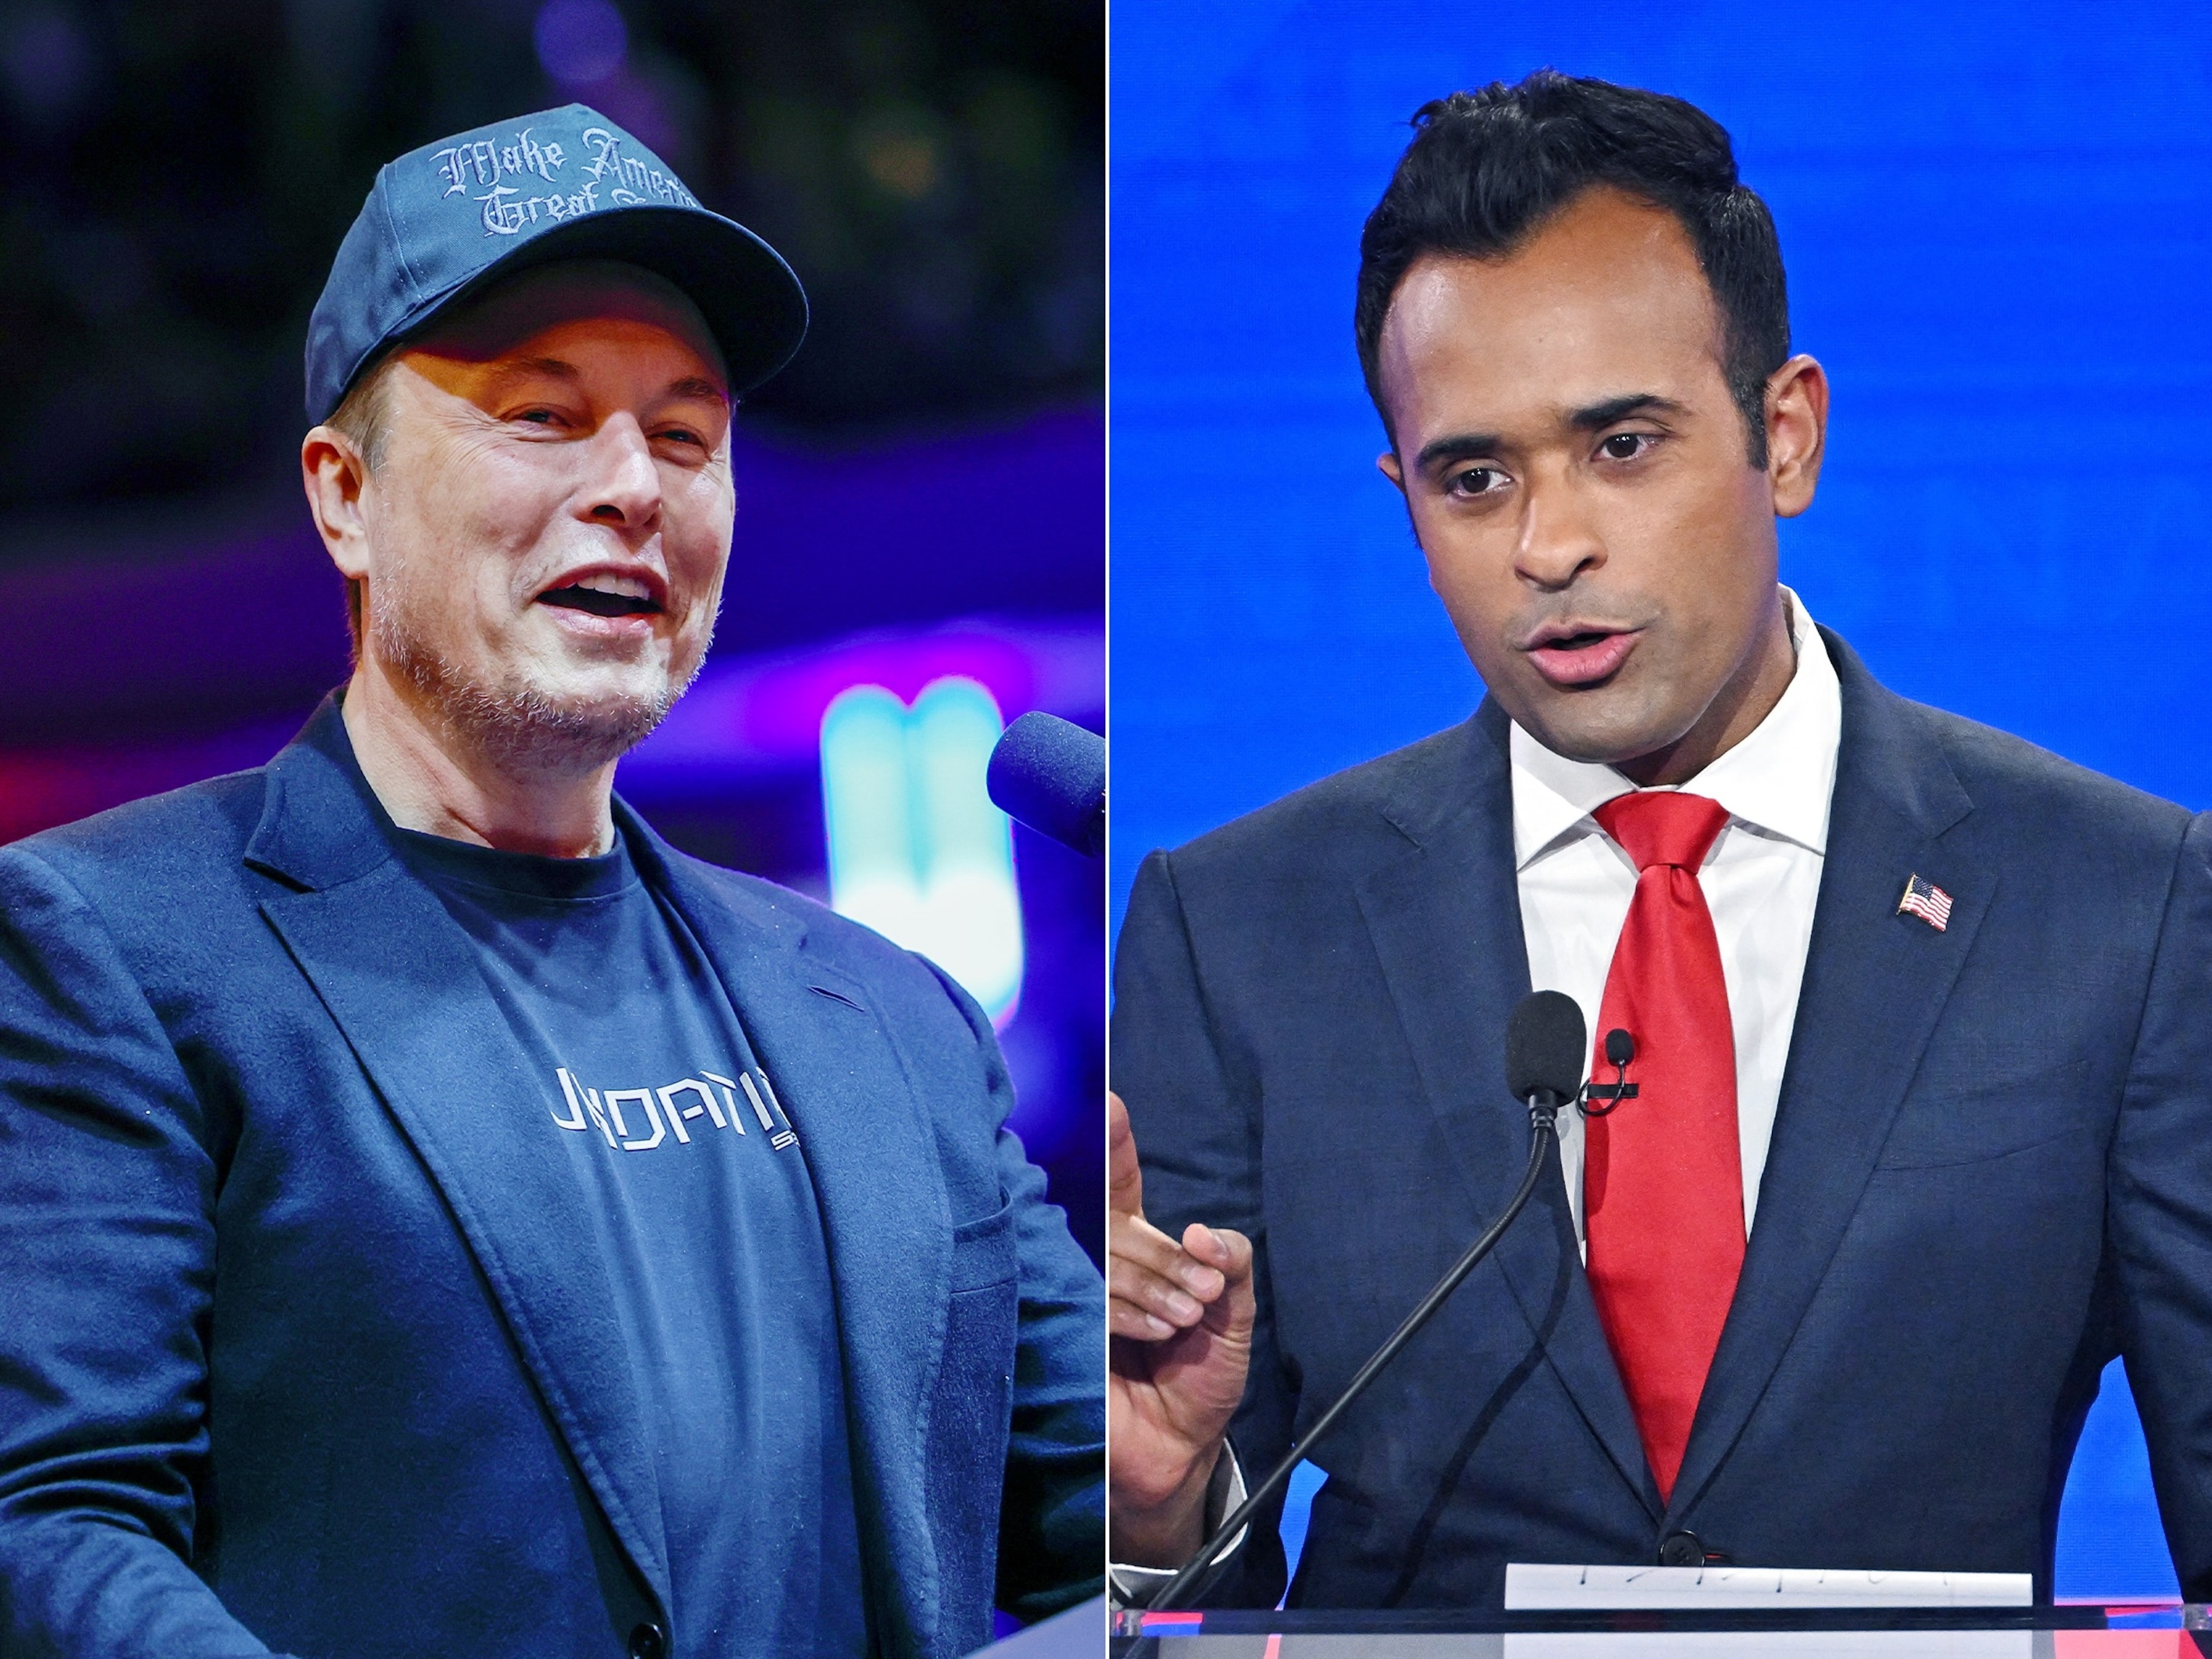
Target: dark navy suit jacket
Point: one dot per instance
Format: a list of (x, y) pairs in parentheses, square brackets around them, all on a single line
[(1992, 1170), (295, 1346)]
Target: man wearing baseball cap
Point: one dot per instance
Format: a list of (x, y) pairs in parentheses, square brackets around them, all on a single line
[(439, 1217)]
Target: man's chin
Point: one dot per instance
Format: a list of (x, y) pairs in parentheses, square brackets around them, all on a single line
[(542, 710), (555, 725), (1586, 733), (559, 730)]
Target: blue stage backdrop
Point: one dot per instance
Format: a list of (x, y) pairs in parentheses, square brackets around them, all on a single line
[(1997, 220)]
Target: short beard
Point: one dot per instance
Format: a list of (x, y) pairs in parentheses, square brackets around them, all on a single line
[(514, 726)]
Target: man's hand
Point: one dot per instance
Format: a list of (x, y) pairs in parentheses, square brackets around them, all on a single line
[(1181, 1317)]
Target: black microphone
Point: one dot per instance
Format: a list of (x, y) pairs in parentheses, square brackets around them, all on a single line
[(1619, 1049), (1544, 1068), (1050, 774), (1544, 1048)]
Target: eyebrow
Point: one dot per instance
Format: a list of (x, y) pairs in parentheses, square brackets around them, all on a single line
[(1591, 418), (696, 385), (691, 386), (1459, 446), (1596, 417), (552, 366)]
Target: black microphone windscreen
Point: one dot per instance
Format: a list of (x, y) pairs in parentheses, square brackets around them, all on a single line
[(1050, 773), (1544, 1046)]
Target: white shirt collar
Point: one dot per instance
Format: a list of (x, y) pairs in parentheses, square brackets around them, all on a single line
[(1778, 779)]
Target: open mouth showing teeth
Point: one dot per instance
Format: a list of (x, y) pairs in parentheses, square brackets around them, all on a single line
[(600, 604)]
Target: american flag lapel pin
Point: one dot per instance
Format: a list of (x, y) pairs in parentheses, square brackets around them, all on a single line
[(1925, 900)]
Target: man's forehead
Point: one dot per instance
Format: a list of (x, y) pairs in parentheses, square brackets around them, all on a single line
[(1608, 297), (526, 322)]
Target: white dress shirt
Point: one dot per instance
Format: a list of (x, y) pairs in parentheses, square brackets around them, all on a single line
[(1761, 879)]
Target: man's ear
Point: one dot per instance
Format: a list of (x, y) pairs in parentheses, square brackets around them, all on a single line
[(1796, 433), (1387, 463), (334, 474)]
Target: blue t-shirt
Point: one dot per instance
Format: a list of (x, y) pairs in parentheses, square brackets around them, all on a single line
[(694, 1185)]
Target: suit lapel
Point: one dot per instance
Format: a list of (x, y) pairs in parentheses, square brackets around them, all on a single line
[(1874, 986), (874, 1158), (391, 965), (1445, 920)]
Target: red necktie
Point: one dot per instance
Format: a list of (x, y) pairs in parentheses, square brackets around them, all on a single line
[(1662, 1175)]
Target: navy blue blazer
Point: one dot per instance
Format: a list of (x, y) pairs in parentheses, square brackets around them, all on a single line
[(294, 1351), (1992, 1170)]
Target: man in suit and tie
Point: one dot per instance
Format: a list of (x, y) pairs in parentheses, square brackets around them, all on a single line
[(439, 1217), (1920, 1132)]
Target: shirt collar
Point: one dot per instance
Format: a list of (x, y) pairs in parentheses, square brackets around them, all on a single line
[(1778, 779)]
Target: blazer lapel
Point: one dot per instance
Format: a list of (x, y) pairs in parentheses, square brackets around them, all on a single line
[(396, 973), (1445, 920), (1874, 986), (872, 1154)]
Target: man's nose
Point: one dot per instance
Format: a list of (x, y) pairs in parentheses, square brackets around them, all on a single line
[(1559, 541), (623, 486)]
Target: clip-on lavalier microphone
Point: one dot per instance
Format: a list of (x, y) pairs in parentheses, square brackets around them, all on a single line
[(1619, 1049)]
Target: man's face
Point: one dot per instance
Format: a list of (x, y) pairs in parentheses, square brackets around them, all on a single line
[(549, 522), (1578, 479)]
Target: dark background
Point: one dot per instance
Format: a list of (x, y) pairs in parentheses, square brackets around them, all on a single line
[(177, 175), (924, 484)]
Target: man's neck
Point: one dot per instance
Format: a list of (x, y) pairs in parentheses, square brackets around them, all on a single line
[(431, 779), (1733, 715)]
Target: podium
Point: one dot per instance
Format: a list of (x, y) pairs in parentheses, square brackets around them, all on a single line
[(2043, 1632)]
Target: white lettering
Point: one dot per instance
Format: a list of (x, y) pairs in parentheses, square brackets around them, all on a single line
[(485, 163), (634, 181), (576, 1118), (773, 1100), (711, 1107), (599, 1117), (670, 1107), (729, 1099), (500, 216), (759, 1110), (676, 1118), (644, 1097)]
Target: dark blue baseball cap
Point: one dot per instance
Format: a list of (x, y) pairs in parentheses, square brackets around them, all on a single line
[(444, 220)]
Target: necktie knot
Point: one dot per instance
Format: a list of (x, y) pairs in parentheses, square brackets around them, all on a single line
[(1663, 826)]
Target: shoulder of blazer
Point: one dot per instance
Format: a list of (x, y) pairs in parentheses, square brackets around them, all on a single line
[(171, 843), (1378, 811), (2017, 790)]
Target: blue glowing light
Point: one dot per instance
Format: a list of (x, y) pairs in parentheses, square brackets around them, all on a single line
[(917, 851)]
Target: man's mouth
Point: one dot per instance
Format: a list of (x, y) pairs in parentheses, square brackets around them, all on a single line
[(605, 596), (1582, 657)]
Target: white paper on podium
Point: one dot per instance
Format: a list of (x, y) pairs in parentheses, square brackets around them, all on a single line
[(1713, 1588), (1769, 1644)]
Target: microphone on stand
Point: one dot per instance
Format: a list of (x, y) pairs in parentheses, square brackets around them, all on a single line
[(1544, 1068)]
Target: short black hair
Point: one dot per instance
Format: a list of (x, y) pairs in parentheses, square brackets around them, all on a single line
[(1486, 168)]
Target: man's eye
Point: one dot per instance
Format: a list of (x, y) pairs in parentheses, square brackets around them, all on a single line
[(1478, 481), (536, 417), (1625, 446)]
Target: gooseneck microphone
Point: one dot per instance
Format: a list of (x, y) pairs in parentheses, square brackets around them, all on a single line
[(1050, 774), (1544, 1068)]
